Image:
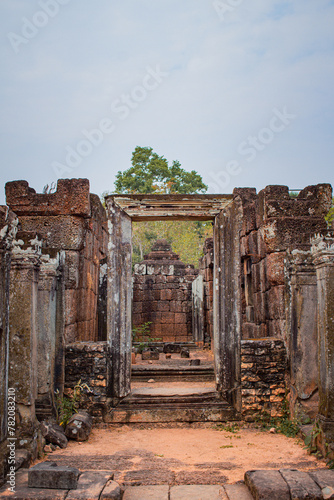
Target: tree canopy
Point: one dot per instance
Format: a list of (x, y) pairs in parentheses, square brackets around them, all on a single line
[(150, 173)]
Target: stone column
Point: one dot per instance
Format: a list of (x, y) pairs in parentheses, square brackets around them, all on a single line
[(46, 331), (303, 340), (323, 255), (23, 340)]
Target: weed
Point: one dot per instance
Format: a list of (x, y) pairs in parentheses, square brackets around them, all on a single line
[(234, 428), (226, 446), (66, 406), (283, 425)]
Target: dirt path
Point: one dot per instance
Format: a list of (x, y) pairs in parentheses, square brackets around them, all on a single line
[(187, 454)]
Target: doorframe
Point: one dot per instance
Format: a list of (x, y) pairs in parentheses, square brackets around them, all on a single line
[(121, 209)]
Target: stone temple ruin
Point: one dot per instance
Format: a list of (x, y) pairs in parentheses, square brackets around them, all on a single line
[(263, 299)]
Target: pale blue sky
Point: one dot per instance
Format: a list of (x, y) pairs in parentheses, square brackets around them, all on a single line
[(240, 91)]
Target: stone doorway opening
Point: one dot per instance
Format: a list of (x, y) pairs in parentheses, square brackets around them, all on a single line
[(122, 211), (172, 332)]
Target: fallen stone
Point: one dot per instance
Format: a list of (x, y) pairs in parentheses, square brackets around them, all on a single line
[(112, 491), (170, 348), (50, 475), (194, 362), (185, 353), (146, 493), (168, 355), (150, 355), (53, 433), (301, 484), (22, 459), (151, 381), (197, 492), (79, 426), (90, 485), (22, 492), (48, 448), (265, 484), (237, 491)]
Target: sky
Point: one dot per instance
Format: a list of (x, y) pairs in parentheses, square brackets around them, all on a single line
[(239, 91)]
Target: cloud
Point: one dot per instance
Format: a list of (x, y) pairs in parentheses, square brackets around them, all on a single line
[(224, 80)]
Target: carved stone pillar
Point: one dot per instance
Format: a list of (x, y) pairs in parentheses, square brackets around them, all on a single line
[(303, 333), (323, 255), (23, 339), (46, 331)]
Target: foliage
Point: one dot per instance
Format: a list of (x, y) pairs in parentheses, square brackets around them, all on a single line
[(141, 331), (66, 406), (233, 428), (150, 173), (330, 216), (186, 238), (141, 334), (284, 424)]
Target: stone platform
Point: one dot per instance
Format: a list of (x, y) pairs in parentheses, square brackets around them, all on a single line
[(285, 484), (152, 405)]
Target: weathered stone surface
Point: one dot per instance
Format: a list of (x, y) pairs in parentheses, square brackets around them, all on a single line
[(267, 484), (301, 485), (79, 426), (111, 491), (237, 492), (162, 294), (325, 480), (146, 493), (54, 434), (72, 197), (90, 485), (172, 348), (197, 492), (23, 492), (50, 475), (194, 362), (22, 459)]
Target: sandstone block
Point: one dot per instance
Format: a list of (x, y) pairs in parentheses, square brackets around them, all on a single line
[(265, 484), (79, 426), (301, 484), (275, 268), (50, 475), (53, 433)]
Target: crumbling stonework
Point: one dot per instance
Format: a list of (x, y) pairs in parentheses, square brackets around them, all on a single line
[(268, 284), (263, 372), (274, 224), (89, 362), (73, 221), (162, 294)]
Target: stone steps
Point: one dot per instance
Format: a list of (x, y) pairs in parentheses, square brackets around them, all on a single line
[(150, 405), (260, 485), (173, 373)]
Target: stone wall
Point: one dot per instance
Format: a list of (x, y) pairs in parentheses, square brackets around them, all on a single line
[(88, 362), (275, 224), (73, 221), (162, 294), (263, 373), (206, 269)]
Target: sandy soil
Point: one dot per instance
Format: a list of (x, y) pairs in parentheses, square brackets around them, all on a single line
[(187, 454)]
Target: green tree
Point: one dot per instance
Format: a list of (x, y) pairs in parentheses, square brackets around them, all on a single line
[(186, 238), (150, 173), (330, 216)]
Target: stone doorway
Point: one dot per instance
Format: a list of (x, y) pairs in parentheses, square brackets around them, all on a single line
[(122, 210)]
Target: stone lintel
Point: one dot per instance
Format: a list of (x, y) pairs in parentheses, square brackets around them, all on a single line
[(171, 206)]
